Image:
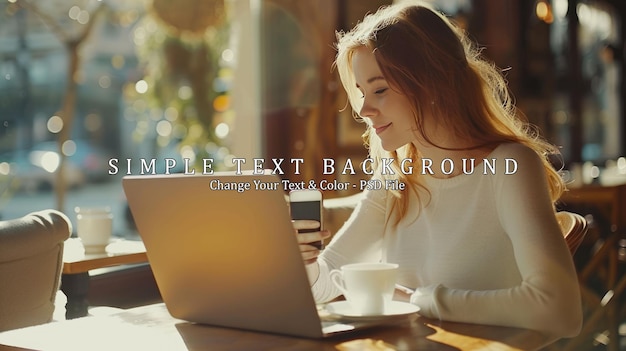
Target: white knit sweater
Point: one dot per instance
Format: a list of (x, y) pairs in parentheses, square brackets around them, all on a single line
[(486, 249)]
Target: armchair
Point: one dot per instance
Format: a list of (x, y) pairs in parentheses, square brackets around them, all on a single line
[(31, 259)]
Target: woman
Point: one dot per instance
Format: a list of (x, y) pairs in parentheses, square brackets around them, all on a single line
[(478, 246)]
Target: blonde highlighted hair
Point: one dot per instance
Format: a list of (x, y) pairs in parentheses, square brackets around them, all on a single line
[(432, 62)]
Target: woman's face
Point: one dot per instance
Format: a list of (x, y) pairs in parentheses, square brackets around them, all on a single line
[(387, 111)]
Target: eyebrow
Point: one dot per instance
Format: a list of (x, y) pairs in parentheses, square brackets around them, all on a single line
[(369, 81)]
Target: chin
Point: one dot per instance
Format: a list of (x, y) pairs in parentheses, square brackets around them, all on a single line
[(393, 145), (391, 148)]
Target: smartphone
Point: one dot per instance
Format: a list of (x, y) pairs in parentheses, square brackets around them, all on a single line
[(307, 204)]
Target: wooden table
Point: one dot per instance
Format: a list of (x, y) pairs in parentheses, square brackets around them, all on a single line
[(152, 328), (77, 264)]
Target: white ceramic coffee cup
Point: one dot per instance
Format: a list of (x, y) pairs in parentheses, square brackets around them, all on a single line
[(368, 287), (94, 227)]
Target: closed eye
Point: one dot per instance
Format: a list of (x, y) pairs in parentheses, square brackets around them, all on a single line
[(377, 92)]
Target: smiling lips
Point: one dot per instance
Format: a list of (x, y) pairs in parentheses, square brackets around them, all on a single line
[(381, 128)]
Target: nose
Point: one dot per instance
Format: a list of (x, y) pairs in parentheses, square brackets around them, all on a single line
[(367, 110)]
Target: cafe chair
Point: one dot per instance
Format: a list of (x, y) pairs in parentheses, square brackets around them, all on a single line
[(601, 311), (601, 308), (31, 259), (574, 228)]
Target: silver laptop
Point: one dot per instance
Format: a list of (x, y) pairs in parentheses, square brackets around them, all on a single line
[(225, 254)]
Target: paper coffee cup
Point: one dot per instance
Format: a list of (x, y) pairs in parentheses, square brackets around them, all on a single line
[(94, 227)]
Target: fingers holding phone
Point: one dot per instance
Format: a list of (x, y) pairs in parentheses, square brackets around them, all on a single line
[(306, 241), (306, 212), (307, 205)]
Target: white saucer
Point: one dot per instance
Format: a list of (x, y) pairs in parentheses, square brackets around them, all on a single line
[(342, 309)]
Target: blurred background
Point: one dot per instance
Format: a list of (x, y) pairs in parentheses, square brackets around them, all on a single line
[(85, 81)]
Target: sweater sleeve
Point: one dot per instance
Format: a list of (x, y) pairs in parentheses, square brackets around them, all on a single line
[(548, 296), (358, 240)]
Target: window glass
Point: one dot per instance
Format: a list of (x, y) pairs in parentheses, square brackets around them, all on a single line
[(601, 114), (152, 81)]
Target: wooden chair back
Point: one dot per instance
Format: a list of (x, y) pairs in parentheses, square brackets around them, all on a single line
[(574, 228)]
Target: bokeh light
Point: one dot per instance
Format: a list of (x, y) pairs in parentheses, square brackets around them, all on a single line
[(74, 12), (222, 130), (68, 148), (220, 85), (83, 17), (185, 92), (48, 160), (195, 131), (210, 148), (55, 124), (118, 61), (164, 128), (93, 122), (104, 81), (222, 152), (139, 37), (228, 55), (171, 114), (221, 103), (187, 152), (141, 86), (5, 168)]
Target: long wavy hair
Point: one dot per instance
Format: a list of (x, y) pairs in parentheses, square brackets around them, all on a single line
[(431, 61)]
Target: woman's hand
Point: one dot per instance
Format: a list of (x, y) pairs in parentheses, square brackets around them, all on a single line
[(308, 251)]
